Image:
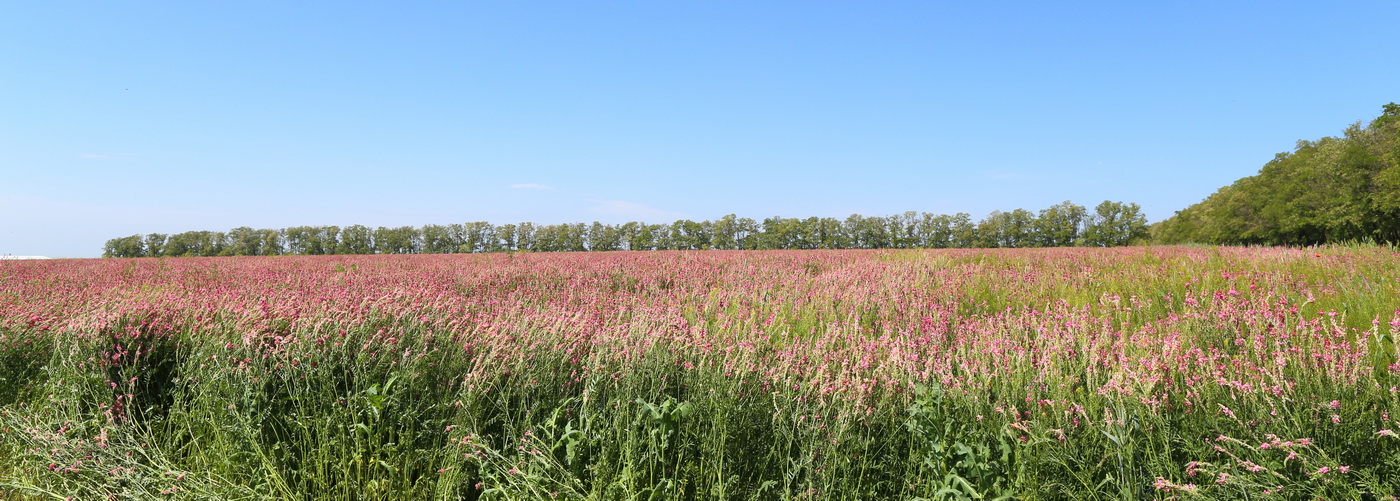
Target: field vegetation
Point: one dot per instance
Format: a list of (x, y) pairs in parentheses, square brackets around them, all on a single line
[(1069, 373)]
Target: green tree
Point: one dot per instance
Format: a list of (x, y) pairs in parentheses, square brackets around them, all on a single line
[(904, 230), (935, 231), (778, 233), (480, 237), (155, 244), (505, 235), (689, 235), (184, 244), (964, 231), (400, 240), (604, 237), (1114, 224), (1059, 224), (661, 236), (525, 236), (1019, 230), (747, 233), (991, 230), (272, 243), (631, 233), (298, 238), (830, 233), (437, 239), (132, 246), (867, 232), (355, 239), (212, 243), (724, 233), (1331, 189), (244, 241)]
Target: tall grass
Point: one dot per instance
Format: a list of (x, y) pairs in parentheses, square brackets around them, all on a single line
[(1127, 373)]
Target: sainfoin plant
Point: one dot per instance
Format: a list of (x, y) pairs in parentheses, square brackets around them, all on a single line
[(1123, 373)]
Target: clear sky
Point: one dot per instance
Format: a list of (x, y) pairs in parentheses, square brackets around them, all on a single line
[(119, 118)]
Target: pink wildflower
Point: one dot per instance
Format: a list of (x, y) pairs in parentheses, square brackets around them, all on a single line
[(1162, 484)]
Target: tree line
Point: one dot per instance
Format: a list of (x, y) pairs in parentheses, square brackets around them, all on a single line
[(1060, 225), (1333, 189)]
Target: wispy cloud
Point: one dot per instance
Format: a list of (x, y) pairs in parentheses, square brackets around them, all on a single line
[(1008, 176), (631, 210), (620, 209), (106, 156)]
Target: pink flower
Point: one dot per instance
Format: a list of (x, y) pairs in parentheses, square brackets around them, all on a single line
[(1192, 468)]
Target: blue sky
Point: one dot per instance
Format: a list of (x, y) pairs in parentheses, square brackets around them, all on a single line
[(119, 118)]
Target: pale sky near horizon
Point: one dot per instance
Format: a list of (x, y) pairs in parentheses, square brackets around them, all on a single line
[(118, 118)]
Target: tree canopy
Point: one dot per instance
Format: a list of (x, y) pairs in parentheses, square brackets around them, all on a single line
[(1063, 224), (1328, 190)]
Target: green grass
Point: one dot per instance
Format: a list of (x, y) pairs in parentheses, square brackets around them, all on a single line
[(392, 407)]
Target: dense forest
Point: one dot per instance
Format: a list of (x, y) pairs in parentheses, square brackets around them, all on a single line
[(1063, 224), (1333, 189)]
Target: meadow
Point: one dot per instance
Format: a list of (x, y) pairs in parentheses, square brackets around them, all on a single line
[(1061, 373)]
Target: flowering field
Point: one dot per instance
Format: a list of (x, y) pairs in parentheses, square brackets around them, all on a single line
[(1122, 373)]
